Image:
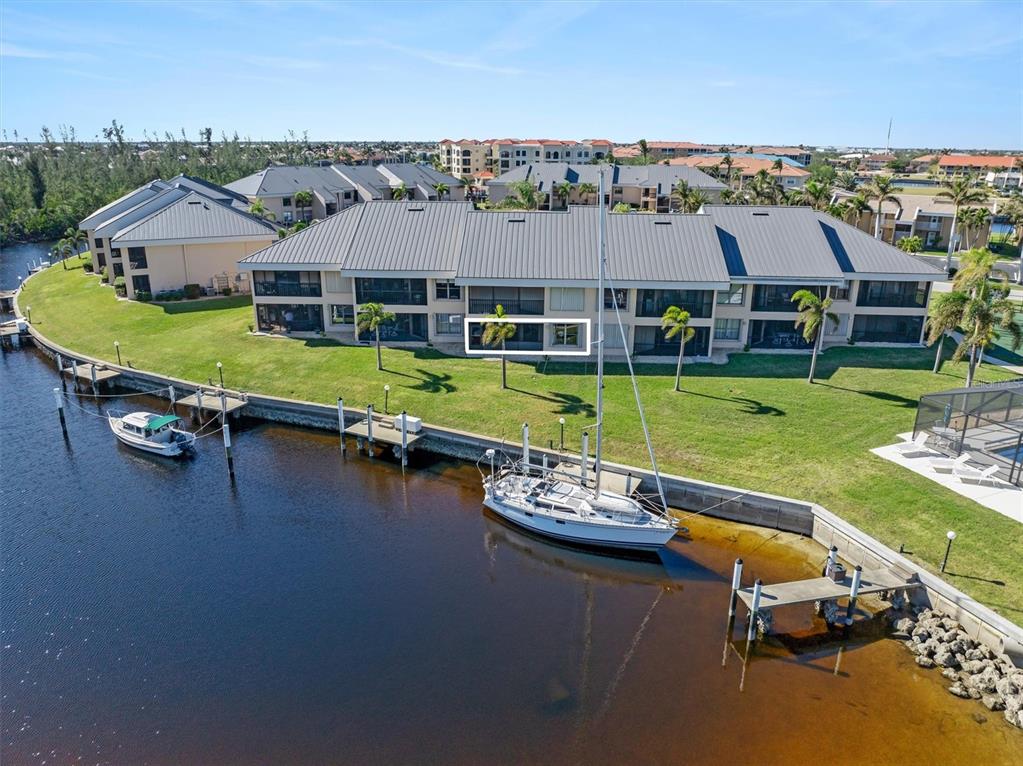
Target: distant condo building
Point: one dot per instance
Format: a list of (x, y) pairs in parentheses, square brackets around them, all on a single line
[(469, 157), (745, 167)]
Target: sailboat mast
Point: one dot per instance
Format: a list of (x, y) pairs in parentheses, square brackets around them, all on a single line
[(601, 258)]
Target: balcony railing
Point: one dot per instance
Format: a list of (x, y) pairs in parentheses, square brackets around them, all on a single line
[(520, 307), (393, 297), (289, 290)]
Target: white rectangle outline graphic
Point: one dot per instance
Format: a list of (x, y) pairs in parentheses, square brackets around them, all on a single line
[(517, 320)]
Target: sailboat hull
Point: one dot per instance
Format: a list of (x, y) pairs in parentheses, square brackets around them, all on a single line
[(645, 538)]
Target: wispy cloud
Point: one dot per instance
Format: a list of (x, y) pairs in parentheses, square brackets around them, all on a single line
[(440, 58), (537, 22), (280, 62), (11, 50), (723, 83)]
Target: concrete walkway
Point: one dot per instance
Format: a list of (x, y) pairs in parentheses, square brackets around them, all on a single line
[(1000, 496)]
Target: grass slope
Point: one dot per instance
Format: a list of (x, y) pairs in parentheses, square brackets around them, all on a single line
[(754, 422)]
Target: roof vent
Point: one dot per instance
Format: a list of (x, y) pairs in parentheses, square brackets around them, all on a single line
[(194, 202), (415, 209), (516, 220), (662, 223), (763, 213)]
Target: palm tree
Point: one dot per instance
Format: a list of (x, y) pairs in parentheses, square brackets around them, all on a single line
[(442, 190), (985, 314), (727, 161), (763, 188), (400, 192), (882, 188), (371, 316), (815, 194), (960, 191), (910, 244), (944, 316), (974, 220), (525, 197), (587, 190), (76, 237), (846, 180), (303, 201), (680, 194), (974, 271), (729, 197), (497, 333), (562, 192), (813, 312), (675, 323), (777, 166), (258, 208), (644, 151), (856, 206), (697, 199)]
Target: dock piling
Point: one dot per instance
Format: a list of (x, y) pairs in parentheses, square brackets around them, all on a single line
[(198, 402), (223, 407), (369, 428), (832, 560), (854, 591), (92, 375), (341, 424), (58, 396), (173, 397), (736, 584), (404, 438), (754, 608), (628, 484), (74, 372), (584, 463), (227, 449), (525, 445)]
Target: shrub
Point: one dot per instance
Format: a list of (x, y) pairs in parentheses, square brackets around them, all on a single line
[(226, 291), (87, 267), (251, 327), (105, 276), (143, 295), (119, 287), (192, 291)]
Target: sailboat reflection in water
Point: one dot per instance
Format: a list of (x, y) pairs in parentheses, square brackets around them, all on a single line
[(571, 508)]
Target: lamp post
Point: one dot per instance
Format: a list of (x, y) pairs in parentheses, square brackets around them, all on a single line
[(387, 396), (220, 369), (561, 422), (117, 348), (948, 548)]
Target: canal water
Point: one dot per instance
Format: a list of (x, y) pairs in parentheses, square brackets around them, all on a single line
[(330, 610)]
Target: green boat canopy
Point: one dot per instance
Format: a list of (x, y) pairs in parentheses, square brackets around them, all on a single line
[(160, 422)]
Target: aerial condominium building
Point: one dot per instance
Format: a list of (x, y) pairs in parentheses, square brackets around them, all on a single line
[(469, 157), (168, 234), (733, 268)]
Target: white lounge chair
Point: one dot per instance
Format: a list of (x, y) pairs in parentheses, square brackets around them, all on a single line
[(947, 464), (976, 475), (916, 447)]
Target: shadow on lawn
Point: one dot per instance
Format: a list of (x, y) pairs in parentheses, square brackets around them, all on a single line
[(206, 304), (750, 406), (432, 383), (883, 396)]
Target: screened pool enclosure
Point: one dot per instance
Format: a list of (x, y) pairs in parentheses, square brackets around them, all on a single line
[(984, 421)]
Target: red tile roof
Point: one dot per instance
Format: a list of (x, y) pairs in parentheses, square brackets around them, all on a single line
[(978, 160)]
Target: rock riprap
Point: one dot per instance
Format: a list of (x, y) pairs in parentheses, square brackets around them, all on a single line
[(975, 672)]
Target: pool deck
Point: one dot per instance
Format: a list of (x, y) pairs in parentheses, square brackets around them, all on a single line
[(999, 496)]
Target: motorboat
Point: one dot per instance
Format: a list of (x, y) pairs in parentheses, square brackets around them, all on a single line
[(149, 432)]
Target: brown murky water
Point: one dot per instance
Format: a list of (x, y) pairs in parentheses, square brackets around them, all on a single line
[(327, 611)]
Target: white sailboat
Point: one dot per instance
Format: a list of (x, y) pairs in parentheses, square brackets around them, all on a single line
[(570, 508), (153, 433)]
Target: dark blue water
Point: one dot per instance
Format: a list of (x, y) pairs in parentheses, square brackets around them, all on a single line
[(325, 610), (15, 261)]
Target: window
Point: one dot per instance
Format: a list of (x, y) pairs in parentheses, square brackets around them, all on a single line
[(653, 303), (735, 295), (449, 324), (615, 338), (137, 258), (448, 291), (393, 290), (567, 298), (892, 294), (288, 218), (727, 329), (118, 269), (101, 259), (342, 313), (565, 335), (651, 341), (779, 297), (405, 327), (287, 283), (141, 283), (98, 242), (286, 202), (335, 283), (840, 293), (621, 296), (870, 328), (515, 300), (115, 252)]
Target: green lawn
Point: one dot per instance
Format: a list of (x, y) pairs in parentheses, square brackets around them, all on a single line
[(753, 423)]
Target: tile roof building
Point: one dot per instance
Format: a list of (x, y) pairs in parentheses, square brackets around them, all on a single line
[(746, 166), (469, 157), (733, 268), (167, 234)]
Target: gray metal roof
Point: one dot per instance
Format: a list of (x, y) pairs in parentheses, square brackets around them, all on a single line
[(283, 180), (773, 242), (194, 216), (207, 188), (546, 175), (123, 220), (859, 253), (553, 246), (121, 204), (378, 236)]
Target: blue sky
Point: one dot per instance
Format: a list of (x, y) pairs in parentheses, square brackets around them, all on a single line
[(816, 73)]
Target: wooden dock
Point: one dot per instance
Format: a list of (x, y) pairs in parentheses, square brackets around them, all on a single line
[(821, 589), (84, 372), (211, 402), (609, 480), (385, 431)]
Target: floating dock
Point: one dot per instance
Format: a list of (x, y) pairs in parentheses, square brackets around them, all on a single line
[(821, 589), (85, 372), (385, 430)]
